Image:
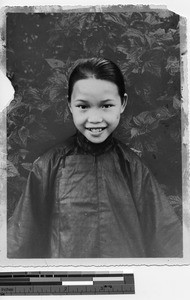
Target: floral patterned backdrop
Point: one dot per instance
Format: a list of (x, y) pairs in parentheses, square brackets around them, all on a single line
[(41, 48)]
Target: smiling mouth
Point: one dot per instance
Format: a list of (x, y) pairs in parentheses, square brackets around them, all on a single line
[(98, 129)]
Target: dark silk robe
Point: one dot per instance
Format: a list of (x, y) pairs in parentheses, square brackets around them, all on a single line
[(85, 200)]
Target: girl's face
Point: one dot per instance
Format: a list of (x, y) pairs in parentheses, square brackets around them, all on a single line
[(96, 107)]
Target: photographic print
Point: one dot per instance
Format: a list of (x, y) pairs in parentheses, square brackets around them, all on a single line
[(94, 134)]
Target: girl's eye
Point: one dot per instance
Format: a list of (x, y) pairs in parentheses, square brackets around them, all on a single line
[(82, 106), (107, 105)]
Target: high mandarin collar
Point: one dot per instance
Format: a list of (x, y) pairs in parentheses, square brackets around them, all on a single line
[(92, 148)]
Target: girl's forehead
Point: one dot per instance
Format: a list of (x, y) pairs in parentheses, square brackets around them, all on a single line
[(94, 87)]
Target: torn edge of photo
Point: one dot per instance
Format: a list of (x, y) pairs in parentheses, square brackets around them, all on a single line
[(39, 49)]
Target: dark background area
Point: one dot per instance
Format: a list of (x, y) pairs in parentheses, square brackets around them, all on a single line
[(41, 49)]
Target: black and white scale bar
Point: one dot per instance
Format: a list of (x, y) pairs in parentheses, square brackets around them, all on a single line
[(24, 283)]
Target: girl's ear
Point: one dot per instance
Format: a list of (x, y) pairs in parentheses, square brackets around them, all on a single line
[(69, 105), (124, 104)]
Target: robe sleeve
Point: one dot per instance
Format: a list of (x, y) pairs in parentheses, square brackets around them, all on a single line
[(161, 227), (24, 232), (28, 228)]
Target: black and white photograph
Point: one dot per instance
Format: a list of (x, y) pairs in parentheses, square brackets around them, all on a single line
[(94, 156), (94, 144)]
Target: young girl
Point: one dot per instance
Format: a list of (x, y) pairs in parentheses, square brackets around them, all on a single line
[(92, 196)]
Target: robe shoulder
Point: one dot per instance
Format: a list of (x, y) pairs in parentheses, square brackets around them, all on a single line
[(134, 160), (53, 154)]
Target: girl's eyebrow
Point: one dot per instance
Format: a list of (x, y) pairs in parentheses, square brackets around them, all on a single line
[(86, 101), (81, 100), (107, 100)]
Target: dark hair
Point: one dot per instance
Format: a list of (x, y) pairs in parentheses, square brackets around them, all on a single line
[(99, 68)]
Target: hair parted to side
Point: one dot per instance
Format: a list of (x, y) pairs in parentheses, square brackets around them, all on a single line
[(99, 68)]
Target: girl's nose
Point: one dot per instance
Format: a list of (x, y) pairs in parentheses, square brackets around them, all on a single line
[(95, 116)]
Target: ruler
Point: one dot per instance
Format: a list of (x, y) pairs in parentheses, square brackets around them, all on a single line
[(65, 283)]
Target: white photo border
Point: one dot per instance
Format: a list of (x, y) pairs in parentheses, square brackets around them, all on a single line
[(110, 262)]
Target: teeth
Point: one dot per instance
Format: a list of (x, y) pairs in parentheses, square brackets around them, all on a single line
[(95, 129)]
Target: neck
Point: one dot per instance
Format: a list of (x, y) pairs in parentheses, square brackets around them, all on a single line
[(92, 148)]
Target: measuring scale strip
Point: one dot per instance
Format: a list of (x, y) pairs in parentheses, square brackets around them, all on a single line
[(39, 284)]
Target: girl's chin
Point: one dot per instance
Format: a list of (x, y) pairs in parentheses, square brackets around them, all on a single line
[(96, 138)]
